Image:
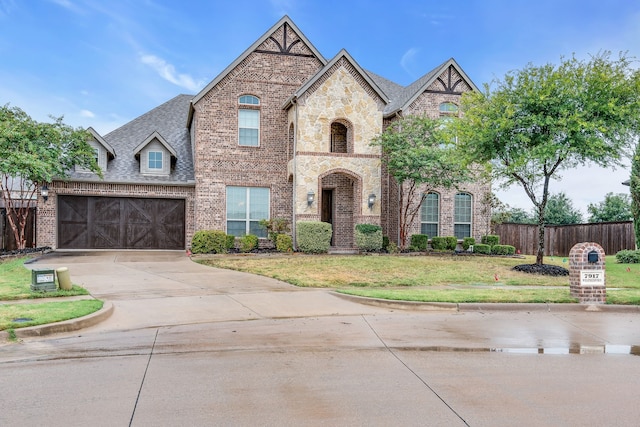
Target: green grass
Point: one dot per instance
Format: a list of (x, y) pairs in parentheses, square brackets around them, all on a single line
[(44, 313), (15, 283), (432, 278)]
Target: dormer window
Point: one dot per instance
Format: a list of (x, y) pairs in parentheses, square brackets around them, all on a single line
[(156, 155), (102, 152), (249, 121), (155, 160)]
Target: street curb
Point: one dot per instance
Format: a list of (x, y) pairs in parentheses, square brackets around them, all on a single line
[(64, 326), (484, 307)]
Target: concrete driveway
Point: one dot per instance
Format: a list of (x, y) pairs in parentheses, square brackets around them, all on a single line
[(192, 345)]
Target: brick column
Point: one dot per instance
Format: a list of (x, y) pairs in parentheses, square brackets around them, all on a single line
[(588, 288)]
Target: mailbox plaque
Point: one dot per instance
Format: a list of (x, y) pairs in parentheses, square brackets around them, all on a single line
[(591, 277)]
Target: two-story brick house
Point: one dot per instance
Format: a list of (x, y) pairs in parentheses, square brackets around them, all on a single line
[(282, 132)]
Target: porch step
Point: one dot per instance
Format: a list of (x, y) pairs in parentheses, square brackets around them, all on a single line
[(335, 250)]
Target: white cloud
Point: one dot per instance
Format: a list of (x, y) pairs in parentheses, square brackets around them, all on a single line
[(168, 72), (407, 59), (87, 113)]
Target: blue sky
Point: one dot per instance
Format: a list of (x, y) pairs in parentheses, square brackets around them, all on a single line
[(102, 63)]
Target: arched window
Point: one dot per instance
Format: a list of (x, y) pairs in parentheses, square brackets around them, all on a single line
[(249, 121), (339, 138), (462, 215), (448, 109), (430, 215)]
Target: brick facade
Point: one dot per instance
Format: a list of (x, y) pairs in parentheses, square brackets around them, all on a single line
[(316, 121)]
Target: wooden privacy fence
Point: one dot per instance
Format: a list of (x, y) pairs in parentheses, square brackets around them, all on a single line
[(559, 239), (7, 239)]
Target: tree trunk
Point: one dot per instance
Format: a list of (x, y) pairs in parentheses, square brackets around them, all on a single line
[(540, 253)]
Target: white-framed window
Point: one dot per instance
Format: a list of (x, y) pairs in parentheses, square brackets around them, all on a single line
[(430, 215), (462, 215), (155, 160), (246, 206), (249, 121)]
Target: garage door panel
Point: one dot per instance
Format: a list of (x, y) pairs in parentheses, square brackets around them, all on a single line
[(120, 223)]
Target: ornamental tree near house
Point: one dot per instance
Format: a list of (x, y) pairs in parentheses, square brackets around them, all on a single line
[(541, 120), (32, 154), (421, 157)]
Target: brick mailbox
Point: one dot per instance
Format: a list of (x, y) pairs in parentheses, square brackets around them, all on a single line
[(586, 273)]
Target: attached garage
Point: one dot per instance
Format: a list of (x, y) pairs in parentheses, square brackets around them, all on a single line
[(120, 223)]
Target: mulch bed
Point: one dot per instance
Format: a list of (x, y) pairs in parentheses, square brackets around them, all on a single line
[(544, 269)]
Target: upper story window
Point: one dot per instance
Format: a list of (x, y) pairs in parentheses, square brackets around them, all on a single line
[(249, 121), (448, 108), (155, 160), (249, 100), (341, 137)]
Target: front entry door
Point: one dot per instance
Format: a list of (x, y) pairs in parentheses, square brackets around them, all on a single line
[(326, 214)]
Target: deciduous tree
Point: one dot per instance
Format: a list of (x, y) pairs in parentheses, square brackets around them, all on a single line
[(32, 154), (541, 120), (421, 156), (634, 183), (614, 207), (560, 211)]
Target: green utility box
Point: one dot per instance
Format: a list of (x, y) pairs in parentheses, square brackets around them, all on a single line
[(43, 280)]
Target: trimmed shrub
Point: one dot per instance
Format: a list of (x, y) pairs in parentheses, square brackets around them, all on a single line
[(468, 241), (210, 241), (248, 243), (314, 236), (419, 242), (439, 243), (481, 248), (368, 237), (275, 227), (284, 243), (503, 250), (385, 242), (392, 248), (491, 240), (452, 242), (231, 241), (628, 257), (368, 228)]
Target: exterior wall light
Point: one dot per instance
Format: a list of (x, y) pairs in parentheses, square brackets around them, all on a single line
[(310, 198), (44, 192), (372, 200)]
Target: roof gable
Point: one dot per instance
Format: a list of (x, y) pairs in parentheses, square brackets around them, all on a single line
[(155, 136), (432, 82), (342, 55), (100, 140), (289, 41)]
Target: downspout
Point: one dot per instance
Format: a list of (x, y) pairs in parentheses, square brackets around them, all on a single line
[(295, 173)]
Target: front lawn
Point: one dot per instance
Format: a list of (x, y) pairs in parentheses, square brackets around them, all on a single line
[(15, 281), (441, 278)]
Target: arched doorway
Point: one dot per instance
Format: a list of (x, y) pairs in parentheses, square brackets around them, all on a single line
[(340, 204)]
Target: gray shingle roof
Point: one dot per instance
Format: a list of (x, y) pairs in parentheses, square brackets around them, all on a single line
[(402, 96), (169, 120)]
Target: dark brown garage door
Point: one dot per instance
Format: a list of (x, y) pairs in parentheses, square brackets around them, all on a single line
[(120, 223)]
